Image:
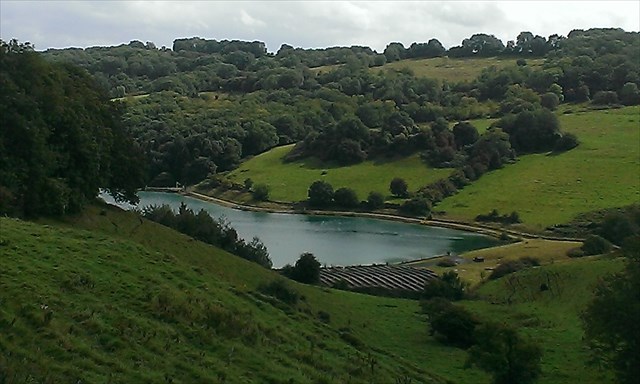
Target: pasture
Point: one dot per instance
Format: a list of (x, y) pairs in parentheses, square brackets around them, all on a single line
[(453, 70), (545, 189), (289, 182)]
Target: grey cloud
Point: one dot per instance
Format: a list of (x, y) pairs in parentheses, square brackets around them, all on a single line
[(308, 24)]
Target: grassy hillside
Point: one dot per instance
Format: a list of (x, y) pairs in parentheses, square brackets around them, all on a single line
[(291, 181), (131, 301), (551, 317), (602, 172), (106, 297), (453, 69)]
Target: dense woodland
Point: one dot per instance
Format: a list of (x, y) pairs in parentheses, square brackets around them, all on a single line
[(61, 138), (204, 105)]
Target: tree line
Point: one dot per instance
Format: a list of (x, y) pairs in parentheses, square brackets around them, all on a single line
[(213, 103), (61, 138)]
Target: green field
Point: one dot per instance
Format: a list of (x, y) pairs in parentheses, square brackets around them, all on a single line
[(602, 172), (545, 251), (125, 300), (290, 181), (107, 297), (454, 70), (551, 318)]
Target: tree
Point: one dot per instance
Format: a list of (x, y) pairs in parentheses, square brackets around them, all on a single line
[(550, 101), (61, 139), (260, 192), (418, 206), (611, 318), (395, 52), (629, 94), (595, 245), (398, 187), (532, 131), (306, 270), (616, 227), (346, 197), (320, 194), (448, 286), (499, 350), (375, 200), (465, 134), (454, 324)]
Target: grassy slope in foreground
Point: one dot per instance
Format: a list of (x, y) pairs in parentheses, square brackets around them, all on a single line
[(290, 181), (602, 172), (128, 299), (131, 301)]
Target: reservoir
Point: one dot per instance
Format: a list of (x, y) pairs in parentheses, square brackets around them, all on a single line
[(333, 240)]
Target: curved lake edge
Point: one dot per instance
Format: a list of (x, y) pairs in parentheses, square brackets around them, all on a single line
[(475, 228), (450, 224)]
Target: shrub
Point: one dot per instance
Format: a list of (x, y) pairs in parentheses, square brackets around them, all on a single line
[(398, 187), (500, 351), (320, 194), (281, 291), (446, 263), (575, 252), (260, 192), (495, 217), (454, 324), (306, 270), (325, 317), (605, 98), (595, 245), (511, 266), (629, 94), (550, 101), (448, 286), (375, 200), (416, 206), (346, 197), (566, 142)]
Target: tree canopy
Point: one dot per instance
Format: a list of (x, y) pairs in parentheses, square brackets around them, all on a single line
[(61, 139)]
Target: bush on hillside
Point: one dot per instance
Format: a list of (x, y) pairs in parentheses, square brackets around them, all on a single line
[(500, 351), (345, 198), (595, 245), (260, 192), (375, 200), (416, 207), (320, 194), (453, 324), (511, 266), (448, 286), (566, 142), (306, 270), (280, 290)]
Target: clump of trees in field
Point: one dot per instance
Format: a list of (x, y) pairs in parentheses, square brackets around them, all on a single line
[(495, 348)]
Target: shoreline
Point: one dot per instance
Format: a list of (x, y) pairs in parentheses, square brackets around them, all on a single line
[(442, 223)]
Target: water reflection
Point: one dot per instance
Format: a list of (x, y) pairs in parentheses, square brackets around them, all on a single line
[(333, 240)]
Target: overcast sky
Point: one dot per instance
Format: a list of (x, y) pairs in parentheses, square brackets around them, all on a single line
[(306, 24)]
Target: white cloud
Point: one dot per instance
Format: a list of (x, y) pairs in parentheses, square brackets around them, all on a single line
[(308, 24)]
